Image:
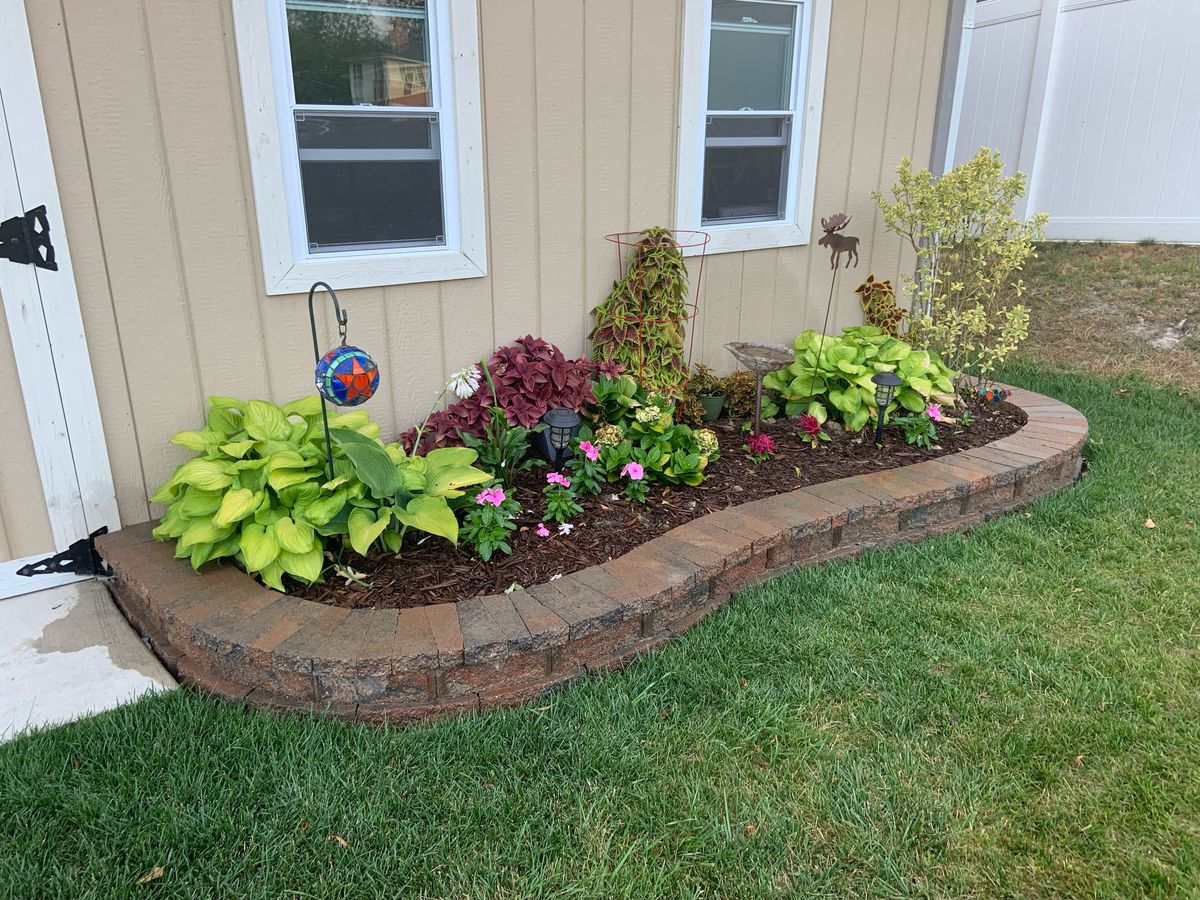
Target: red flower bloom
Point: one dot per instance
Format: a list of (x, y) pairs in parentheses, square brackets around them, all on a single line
[(760, 443), (809, 425)]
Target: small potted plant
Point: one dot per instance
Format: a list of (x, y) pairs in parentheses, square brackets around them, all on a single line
[(706, 387)]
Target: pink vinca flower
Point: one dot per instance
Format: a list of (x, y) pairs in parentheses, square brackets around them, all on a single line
[(934, 411), (542, 530), (558, 478), (590, 450), (633, 470), (494, 496)]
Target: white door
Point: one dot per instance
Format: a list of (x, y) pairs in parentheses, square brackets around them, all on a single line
[(55, 481)]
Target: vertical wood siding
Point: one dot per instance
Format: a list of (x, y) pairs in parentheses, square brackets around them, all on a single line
[(580, 102)]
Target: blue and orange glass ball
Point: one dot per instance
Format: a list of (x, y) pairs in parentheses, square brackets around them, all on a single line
[(347, 376)]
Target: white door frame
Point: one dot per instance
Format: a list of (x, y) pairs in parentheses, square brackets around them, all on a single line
[(45, 325)]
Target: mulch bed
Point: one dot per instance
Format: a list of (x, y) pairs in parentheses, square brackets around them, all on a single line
[(430, 570)]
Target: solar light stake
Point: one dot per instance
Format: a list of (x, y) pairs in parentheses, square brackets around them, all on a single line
[(562, 426), (885, 389)]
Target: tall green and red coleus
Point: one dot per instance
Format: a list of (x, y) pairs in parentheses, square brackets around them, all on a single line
[(531, 376)]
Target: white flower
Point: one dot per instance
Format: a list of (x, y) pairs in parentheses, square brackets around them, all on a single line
[(556, 577), (465, 383), (566, 528)]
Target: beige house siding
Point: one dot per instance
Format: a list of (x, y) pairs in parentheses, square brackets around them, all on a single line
[(580, 103)]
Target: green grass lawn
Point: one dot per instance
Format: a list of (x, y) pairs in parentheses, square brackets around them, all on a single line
[(1012, 712)]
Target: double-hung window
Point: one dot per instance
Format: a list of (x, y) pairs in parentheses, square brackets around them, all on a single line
[(363, 123), (753, 76)]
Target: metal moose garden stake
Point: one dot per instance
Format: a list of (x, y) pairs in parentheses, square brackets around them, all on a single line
[(839, 243)]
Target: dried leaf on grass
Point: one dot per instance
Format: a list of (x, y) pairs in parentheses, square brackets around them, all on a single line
[(153, 875)]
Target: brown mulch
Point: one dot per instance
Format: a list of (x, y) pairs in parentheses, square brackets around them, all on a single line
[(430, 570)]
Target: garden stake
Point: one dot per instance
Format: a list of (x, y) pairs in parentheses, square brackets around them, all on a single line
[(345, 376), (837, 244)]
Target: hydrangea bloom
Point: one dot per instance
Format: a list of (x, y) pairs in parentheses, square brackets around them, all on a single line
[(706, 441), (609, 435), (647, 414), (634, 470)]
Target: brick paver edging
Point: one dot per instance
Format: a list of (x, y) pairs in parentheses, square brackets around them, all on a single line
[(224, 633)]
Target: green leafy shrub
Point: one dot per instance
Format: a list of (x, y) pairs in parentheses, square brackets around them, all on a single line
[(919, 430), (839, 381), (970, 251), (641, 323), (258, 491)]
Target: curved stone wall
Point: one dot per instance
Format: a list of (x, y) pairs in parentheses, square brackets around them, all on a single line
[(224, 633)]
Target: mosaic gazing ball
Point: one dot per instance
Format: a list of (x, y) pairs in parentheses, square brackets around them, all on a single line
[(347, 376)]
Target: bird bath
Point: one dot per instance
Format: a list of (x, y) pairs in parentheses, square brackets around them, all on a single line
[(760, 359)]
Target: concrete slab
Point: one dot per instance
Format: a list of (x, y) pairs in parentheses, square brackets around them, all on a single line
[(68, 652)]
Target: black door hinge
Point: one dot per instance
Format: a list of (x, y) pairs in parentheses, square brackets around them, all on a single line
[(26, 240), (80, 558)]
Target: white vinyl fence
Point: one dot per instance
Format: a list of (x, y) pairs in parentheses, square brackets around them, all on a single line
[(1097, 102)]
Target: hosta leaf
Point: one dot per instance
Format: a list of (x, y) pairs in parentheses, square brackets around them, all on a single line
[(366, 526), (373, 466), (339, 524), (265, 421), (321, 510), (197, 503), (172, 525), (272, 576), (307, 407), (922, 386), (259, 548), (203, 531), (238, 449), (237, 505), (911, 400), (204, 474), (286, 459), (224, 422), (893, 351), (448, 480), (856, 420), (305, 566), (449, 456), (167, 492), (294, 537), (199, 441), (299, 494), (284, 478), (430, 514)]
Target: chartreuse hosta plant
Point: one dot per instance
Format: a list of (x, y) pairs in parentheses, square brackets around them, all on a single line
[(832, 377), (258, 491)]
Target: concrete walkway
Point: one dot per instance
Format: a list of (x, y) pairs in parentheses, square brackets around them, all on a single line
[(67, 652)]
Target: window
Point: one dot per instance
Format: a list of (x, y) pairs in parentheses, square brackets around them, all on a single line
[(363, 122), (753, 76)]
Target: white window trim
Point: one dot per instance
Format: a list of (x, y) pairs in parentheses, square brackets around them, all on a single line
[(796, 229), (288, 268)]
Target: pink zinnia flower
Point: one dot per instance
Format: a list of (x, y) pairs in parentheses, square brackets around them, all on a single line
[(494, 496), (590, 450), (542, 530), (558, 478), (934, 411), (634, 470)]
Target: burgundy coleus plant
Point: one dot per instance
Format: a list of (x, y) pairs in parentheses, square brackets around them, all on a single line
[(531, 376)]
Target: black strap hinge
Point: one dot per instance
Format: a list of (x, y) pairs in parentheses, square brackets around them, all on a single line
[(26, 240), (80, 558)]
